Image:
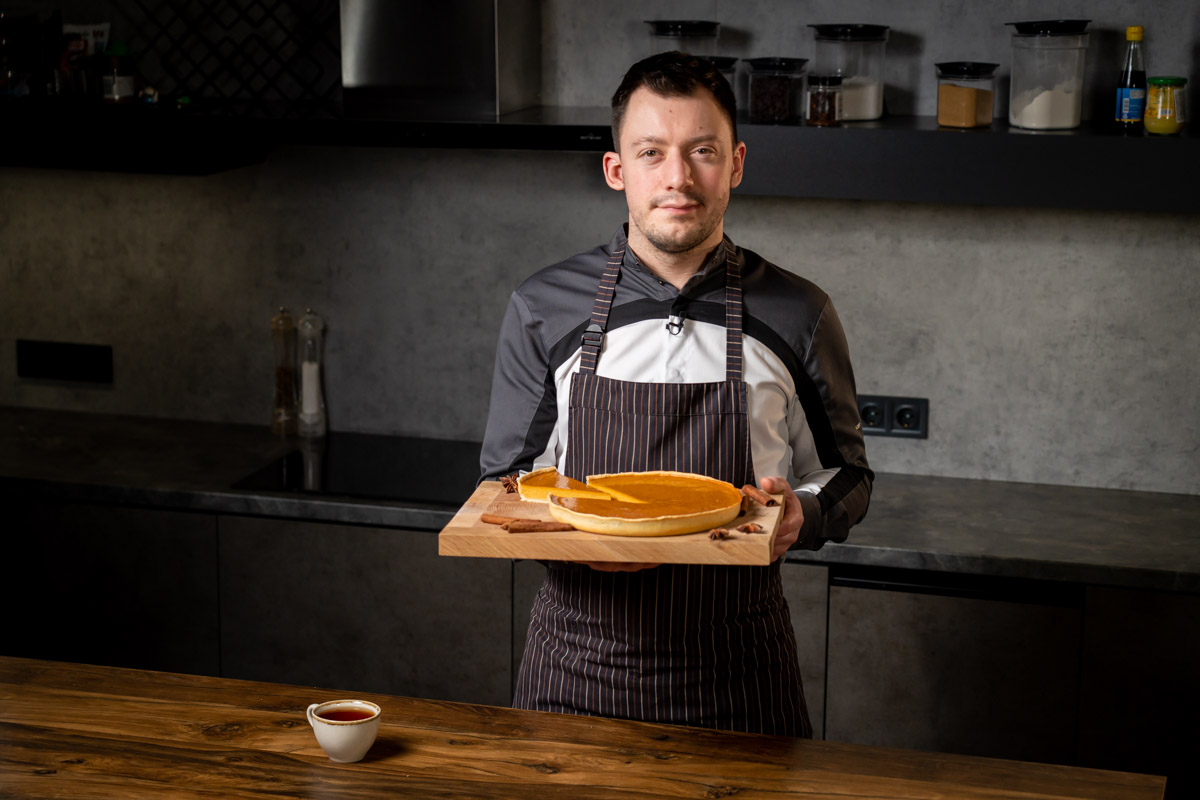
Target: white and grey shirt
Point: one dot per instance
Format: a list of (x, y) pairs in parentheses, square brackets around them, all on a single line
[(803, 409)]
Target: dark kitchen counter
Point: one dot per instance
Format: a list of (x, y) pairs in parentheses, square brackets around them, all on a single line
[(194, 466), (1015, 530)]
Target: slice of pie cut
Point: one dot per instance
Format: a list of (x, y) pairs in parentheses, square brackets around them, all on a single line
[(534, 486), (649, 504)]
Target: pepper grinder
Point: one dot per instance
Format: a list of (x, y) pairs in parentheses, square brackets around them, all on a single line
[(283, 333), (312, 399)]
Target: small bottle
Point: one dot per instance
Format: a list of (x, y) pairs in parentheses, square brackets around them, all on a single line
[(283, 333), (119, 82), (1131, 84), (824, 100), (312, 397)]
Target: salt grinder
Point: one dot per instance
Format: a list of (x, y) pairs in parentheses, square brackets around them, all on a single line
[(283, 333), (312, 399)]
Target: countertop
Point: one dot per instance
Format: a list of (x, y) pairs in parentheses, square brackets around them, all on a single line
[(1129, 539), (70, 730)]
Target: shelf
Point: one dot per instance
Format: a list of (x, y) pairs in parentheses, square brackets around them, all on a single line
[(126, 138), (900, 159), (911, 159)]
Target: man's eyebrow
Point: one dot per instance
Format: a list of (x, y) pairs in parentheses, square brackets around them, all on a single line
[(651, 139)]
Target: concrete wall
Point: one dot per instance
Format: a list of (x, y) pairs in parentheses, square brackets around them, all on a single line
[(1054, 346)]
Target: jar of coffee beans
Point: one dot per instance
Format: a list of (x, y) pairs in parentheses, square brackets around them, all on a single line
[(776, 90)]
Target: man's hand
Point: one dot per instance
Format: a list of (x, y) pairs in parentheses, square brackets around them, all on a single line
[(616, 566), (793, 514)]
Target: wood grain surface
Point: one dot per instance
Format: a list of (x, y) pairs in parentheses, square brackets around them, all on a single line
[(466, 535), (75, 731)]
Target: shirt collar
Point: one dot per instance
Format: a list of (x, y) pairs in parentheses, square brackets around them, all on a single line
[(712, 265)]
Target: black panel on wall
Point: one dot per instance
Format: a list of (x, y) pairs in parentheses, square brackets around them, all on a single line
[(258, 58)]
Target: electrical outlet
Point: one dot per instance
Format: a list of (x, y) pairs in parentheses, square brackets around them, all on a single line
[(65, 361), (894, 416)]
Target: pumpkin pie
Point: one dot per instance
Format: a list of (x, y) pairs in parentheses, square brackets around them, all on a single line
[(534, 486), (648, 504)]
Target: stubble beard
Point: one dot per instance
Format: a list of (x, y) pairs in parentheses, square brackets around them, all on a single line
[(680, 241)]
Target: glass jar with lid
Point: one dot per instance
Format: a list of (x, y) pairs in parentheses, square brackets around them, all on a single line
[(855, 54), (727, 66), (966, 93), (1046, 92), (824, 100), (1165, 108), (697, 37), (776, 89)]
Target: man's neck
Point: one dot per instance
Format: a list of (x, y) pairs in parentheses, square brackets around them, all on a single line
[(674, 268)]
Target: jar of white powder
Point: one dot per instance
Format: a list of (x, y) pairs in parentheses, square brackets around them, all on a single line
[(855, 54), (1046, 91)]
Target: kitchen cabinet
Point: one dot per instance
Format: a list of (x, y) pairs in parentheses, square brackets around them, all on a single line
[(968, 668), (107, 585), (1139, 700), (363, 609)]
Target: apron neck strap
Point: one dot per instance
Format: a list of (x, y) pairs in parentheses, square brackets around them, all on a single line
[(593, 336), (733, 314)]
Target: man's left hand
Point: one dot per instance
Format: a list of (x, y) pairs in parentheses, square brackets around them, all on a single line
[(793, 514)]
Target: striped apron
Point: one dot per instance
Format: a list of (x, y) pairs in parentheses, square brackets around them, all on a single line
[(710, 646)]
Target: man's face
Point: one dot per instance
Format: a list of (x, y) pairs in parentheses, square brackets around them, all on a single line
[(677, 164)]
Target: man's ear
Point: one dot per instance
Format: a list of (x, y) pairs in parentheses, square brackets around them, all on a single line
[(612, 171), (739, 164)]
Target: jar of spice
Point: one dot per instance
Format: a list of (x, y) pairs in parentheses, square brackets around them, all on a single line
[(1165, 108), (855, 53), (966, 93), (776, 89), (824, 100)]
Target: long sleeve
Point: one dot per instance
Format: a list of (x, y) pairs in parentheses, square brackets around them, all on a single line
[(521, 410), (843, 490)]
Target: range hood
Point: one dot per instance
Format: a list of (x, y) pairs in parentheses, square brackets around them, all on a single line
[(469, 60)]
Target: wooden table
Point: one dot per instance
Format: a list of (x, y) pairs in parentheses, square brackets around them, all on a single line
[(99, 732)]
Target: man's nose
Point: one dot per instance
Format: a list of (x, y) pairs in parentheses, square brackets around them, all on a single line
[(678, 172)]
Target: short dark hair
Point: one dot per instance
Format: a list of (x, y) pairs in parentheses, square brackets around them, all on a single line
[(673, 74)]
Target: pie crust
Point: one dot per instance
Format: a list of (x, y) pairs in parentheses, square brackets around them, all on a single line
[(659, 504)]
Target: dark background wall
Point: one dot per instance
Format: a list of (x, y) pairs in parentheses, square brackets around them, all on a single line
[(1054, 346)]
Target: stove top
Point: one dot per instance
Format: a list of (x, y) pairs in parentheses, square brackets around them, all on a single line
[(360, 465)]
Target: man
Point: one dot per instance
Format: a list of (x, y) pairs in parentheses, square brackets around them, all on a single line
[(737, 352)]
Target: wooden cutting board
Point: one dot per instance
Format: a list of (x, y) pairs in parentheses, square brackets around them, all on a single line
[(466, 535)]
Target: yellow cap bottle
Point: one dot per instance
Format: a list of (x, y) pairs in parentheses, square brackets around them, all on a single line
[(1135, 33)]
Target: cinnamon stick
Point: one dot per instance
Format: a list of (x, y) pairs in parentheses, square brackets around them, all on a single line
[(745, 506), (759, 496), (535, 526), (495, 519)]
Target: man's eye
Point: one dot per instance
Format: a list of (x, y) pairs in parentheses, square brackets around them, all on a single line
[(649, 153)]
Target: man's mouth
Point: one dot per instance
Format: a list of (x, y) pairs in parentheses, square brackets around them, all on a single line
[(678, 208)]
